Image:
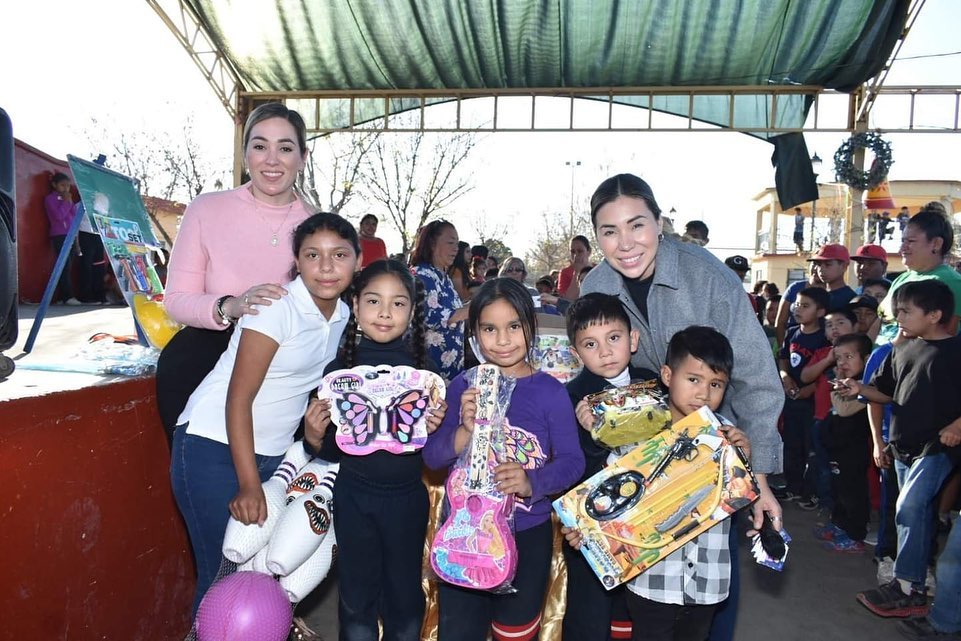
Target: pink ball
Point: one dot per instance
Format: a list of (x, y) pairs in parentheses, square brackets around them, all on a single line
[(244, 606)]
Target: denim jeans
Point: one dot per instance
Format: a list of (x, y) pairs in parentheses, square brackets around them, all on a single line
[(945, 614), (204, 482), (920, 483)]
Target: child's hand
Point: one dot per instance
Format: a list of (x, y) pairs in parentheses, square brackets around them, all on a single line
[(951, 435), (573, 536), (249, 506), (511, 478), (585, 418), (790, 387), (316, 420), (435, 416), (805, 392), (468, 408), (847, 387), (738, 438), (881, 458)]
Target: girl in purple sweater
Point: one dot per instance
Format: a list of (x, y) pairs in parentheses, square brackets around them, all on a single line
[(541, 422)]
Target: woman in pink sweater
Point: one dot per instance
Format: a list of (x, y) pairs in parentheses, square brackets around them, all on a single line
[(233, 253)]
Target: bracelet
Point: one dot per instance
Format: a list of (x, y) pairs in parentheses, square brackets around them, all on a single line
[(225, 320)]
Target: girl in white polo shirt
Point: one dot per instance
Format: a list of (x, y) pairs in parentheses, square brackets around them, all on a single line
[(274, 359)]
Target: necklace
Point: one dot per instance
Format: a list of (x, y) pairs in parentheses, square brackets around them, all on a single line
[(273, 232)]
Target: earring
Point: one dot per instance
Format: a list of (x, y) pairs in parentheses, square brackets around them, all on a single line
[(358, 334), (660, 237)]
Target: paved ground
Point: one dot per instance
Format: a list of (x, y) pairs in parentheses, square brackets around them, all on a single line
[(812, 600)]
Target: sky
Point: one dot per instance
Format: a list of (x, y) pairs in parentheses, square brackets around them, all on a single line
[(66, 63)]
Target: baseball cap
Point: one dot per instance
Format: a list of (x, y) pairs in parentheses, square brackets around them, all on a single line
[(738, 263), (871, 252), (863, 301), (832, 251)]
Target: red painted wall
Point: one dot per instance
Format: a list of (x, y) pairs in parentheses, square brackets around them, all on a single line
[(34, 254), (91, 543)]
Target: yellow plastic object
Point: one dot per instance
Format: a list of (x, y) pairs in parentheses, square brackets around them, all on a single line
[(629, 414), (156, 325)]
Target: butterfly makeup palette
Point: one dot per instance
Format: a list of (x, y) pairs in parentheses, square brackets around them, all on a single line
[(381, 408)]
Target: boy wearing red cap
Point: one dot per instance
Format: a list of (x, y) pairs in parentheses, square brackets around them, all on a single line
[(871, 264), (830, 264)]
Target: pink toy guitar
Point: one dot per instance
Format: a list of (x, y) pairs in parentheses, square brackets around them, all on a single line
[(475, 548)]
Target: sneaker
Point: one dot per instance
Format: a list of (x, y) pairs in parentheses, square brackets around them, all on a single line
[(808, 504), (788, 496), (920, 628), (72, 302), (300, 631), (871, 538), (889, 600), (930, 583), (828, 532), (885, 570), (844, 544)]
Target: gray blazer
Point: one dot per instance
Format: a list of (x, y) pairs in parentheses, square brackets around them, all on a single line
[(692, 287)]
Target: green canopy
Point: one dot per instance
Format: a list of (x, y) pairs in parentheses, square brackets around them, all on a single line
[(353, 45)]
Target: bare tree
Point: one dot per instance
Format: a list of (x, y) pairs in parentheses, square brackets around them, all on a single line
[(551, 247), (171, 167), (334, 167), (413, 176)]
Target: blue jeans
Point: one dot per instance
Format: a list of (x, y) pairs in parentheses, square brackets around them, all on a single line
[(204, 482), (945, 614), (920, 483)]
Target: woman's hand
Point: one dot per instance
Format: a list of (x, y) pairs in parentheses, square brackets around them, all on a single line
[(316, 421), (237, 306), (435, 416), (573, 537), (249, 506), (585, 417), (511, 478)]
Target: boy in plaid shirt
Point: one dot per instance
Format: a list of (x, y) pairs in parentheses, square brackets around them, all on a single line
[(676, 598)]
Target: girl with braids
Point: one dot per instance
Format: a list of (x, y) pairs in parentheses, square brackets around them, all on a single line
[(379, 499)]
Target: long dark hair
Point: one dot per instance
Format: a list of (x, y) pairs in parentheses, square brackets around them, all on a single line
[(934, 224), (461, 263), (512, 292), (426, 240), (323, 221), (416, 337)]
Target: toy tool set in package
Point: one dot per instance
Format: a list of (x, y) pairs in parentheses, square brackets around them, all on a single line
[(629, 414), (656, 498), (382, 407), (475, 547)]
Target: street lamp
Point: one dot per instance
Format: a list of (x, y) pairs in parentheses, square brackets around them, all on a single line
[(816, 163)]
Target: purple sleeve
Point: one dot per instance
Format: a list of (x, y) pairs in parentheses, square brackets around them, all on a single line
[(566, 463), (439, 451)]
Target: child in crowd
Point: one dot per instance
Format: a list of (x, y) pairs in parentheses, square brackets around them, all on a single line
[(601, 336), (848, 438), (919, 378), (865, 310), (676, 598), (503, 324), (379, 499), (830, 265), (817, 476), (799, 347), (274, 359), (876, 288)]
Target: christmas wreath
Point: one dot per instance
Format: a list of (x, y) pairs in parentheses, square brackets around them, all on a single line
[(847, 173)]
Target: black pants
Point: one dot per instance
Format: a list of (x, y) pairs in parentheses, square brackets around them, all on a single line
[(592, 613), (380, 549), (183, 364), (887, 529), (798, 420), (469, 615), (849, 448), (667, 621), (92, 268), (64, 288)]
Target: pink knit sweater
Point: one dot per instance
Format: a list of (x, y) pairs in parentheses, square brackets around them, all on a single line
[(223, 248)]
